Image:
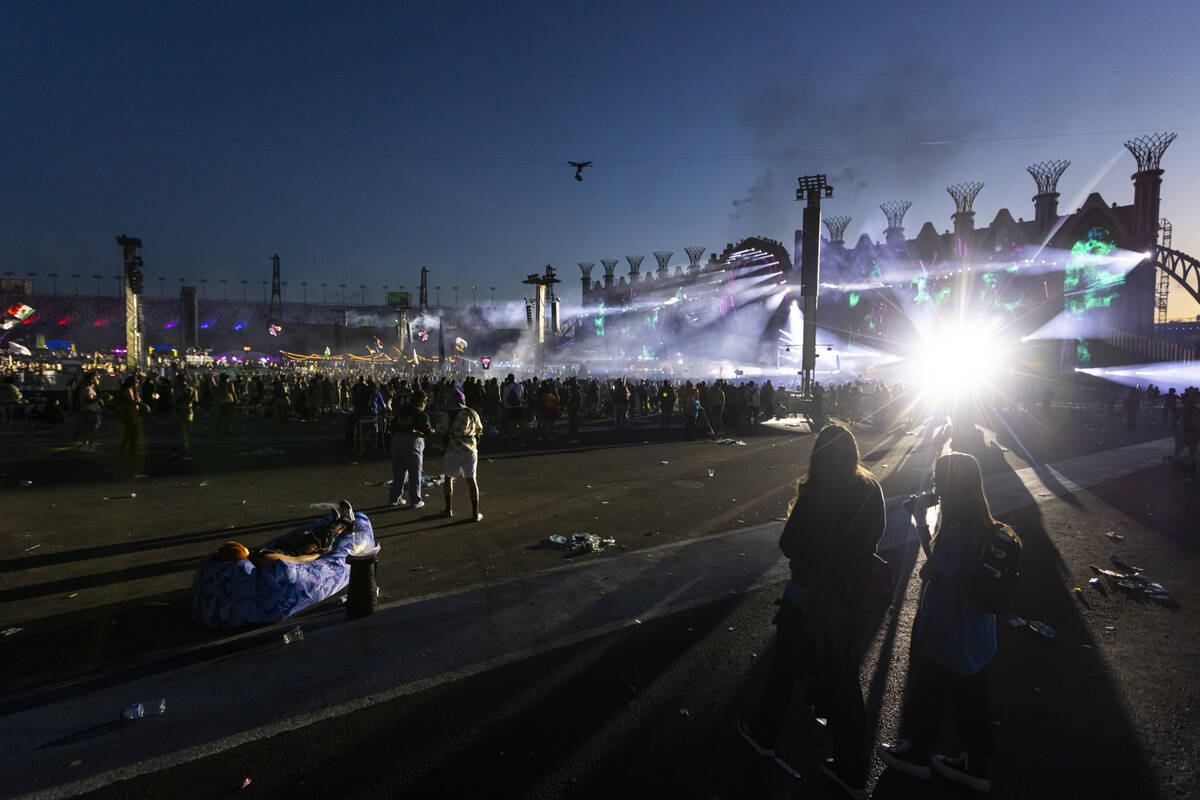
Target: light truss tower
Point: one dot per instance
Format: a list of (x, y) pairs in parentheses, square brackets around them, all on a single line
[(895, 211), (812, 189), (964, 195), (541, 283), (837, 228), (1163, 293), (663, 257), (610, 266), (1045, 202), (135, 350), (275, 310), (694, 253)]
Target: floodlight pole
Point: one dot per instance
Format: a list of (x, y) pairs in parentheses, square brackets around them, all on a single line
[(812, 189), (135, 355), (541, 282)]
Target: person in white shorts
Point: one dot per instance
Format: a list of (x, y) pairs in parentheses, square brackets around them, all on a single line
[(462, 456)]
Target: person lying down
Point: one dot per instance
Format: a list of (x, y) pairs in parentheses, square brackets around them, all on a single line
[(306, 546)]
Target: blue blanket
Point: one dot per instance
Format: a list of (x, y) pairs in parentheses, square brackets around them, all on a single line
[(227, 594)]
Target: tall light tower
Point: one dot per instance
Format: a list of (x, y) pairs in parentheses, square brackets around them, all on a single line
[(610, 266), (134, 285), (694, 254), (541, 283), (812, 189), (275, 310), (964, 195)]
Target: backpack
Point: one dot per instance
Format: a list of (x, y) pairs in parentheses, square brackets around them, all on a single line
[(991, 585)]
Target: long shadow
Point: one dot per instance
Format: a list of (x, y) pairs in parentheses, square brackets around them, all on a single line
[(1054, 703), (144, 545), (508, 748)]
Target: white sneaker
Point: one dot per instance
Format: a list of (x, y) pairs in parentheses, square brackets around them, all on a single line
[(478, 517), (418, 504)]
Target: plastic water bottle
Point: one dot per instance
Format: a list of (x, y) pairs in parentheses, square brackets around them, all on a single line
[(294, 635), (140, 710)]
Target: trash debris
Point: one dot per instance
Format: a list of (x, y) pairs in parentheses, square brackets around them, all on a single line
[(1116, 537), (430, 480), (1042, 628), (664, 462), (822, 721), (1132, 580), (1110, 628), (583, 542), (33, 547), (142, 710), (11, 631), (72, 594), (732, 441), (1094, 581), (683, 712), (296, 634), (77, 762), (1122, 564), (1013, 621), (245, 783), (140, 475), (652, 533), (27, 483), (712, 473), (202, 484)]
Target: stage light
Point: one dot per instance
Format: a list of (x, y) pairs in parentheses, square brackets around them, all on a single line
[(957, 360)]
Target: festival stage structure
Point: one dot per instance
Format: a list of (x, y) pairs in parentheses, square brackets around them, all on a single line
[(1083, 282)]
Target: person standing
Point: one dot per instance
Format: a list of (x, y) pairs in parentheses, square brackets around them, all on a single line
[(666, 402), (410, 426), (833, 527), (89, 412), (689, 406), (716, 407), (128, 406), (227, 399), (514, 409), (183, 404), (954, 640), (462, 457), (574, 407), (620, 399)]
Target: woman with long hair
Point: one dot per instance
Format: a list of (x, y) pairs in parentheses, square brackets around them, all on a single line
[(834, 524), (953, 639)]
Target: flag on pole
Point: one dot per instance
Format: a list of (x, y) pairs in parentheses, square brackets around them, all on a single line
[(21, 311)]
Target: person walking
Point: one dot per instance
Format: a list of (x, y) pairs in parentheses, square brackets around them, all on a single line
[(666, 402), (574, 406), (833, 527), (462, 457), (953, 641), (410, 426)]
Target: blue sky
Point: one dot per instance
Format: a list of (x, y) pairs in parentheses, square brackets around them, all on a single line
[(361, 141)]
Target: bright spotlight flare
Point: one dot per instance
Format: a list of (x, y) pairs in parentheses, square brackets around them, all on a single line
[(959, 359)]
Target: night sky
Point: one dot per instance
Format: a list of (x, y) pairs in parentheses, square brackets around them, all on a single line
[(361, 141)]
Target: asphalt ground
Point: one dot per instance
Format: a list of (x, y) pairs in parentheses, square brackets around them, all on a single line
[(604, 716)]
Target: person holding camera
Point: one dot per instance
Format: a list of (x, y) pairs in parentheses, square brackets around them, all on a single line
[(833, 527), (953, 640)]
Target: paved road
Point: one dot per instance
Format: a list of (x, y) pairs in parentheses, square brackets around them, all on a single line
[(612, 674)]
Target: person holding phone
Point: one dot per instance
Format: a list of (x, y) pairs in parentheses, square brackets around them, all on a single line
[(953, 640)]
